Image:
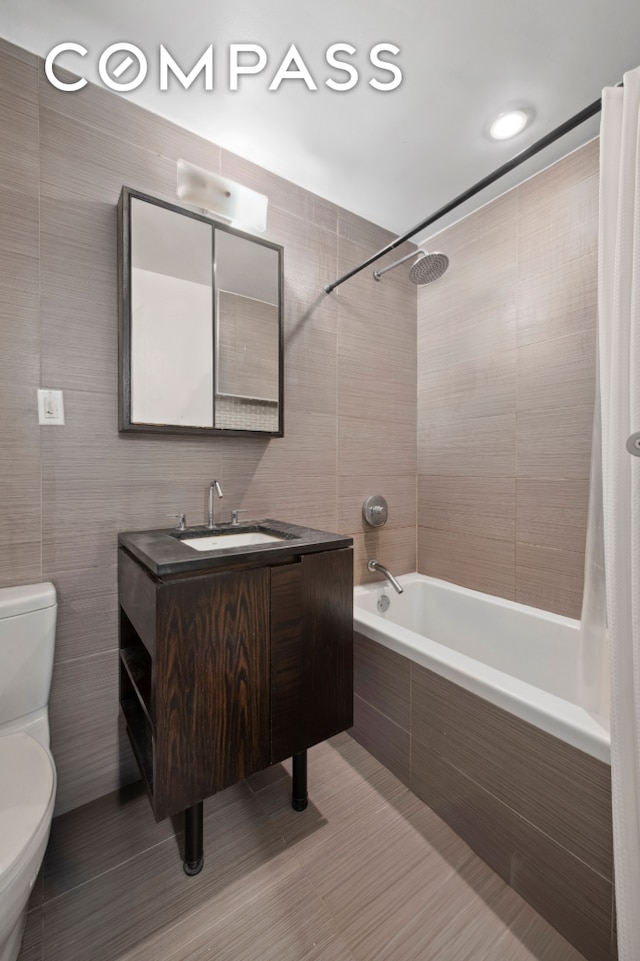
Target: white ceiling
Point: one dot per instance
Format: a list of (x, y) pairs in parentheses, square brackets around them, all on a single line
[(393, 157)]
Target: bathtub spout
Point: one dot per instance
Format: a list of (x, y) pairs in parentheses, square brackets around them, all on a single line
[(374, 566)]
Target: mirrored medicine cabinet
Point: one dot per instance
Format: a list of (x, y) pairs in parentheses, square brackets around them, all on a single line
[(201, 323)]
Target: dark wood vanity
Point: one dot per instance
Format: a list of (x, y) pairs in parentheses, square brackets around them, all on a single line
[(232, 660)]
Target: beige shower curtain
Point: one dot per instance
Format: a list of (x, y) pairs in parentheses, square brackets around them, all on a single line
[(619, 368)]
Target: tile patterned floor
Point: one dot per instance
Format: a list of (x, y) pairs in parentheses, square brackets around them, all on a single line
[(366, 873)]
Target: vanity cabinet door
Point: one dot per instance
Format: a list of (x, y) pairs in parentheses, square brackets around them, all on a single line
[(213, 684), (311, 651)]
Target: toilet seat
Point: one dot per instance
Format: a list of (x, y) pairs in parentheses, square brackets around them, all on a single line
[(27, 792)]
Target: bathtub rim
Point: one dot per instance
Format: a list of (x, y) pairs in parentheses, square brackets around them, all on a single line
[(569, 722)]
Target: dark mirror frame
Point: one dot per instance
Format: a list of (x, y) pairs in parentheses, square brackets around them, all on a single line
[(124, 317)]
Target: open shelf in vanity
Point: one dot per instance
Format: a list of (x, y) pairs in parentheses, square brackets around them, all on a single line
[(135, 697)]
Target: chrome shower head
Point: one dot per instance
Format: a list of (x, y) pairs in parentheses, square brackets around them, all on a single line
[(428, 267)]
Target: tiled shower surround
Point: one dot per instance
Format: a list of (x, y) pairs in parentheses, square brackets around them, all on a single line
[(495, 452), (506, 374)]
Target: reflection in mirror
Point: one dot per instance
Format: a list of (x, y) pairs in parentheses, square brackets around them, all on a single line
[(201, 345), (171, 310), (247, 341)]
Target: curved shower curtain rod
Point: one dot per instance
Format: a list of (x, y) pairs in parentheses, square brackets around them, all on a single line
[(519, 158)]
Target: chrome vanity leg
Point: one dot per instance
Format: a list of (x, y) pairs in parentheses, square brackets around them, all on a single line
[(299, 787), (193, 843)]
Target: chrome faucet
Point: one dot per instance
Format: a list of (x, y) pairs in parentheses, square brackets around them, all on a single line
[(374, 566), (182, 521), (214, 485), (235, 519)]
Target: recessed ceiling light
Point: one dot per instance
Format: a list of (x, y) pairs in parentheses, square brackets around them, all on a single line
[(508, 124)]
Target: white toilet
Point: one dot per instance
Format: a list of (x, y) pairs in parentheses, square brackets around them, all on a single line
[(27, 771)]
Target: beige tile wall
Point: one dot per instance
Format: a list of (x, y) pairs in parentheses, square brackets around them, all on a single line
[(506, 373), (65, 492)]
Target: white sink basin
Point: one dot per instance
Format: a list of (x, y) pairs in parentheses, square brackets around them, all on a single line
[(223, 542)]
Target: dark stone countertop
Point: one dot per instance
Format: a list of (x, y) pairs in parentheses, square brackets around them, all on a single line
[(161, 552)]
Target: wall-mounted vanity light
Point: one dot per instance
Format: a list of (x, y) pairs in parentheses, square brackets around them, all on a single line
[(237, 205)]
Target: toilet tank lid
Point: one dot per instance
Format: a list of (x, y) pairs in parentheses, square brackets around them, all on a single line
[(27, 598)]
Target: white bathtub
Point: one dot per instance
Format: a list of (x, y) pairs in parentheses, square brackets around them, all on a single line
[(519, 658)]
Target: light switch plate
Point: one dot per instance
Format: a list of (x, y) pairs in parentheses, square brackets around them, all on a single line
[(50, 406)]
